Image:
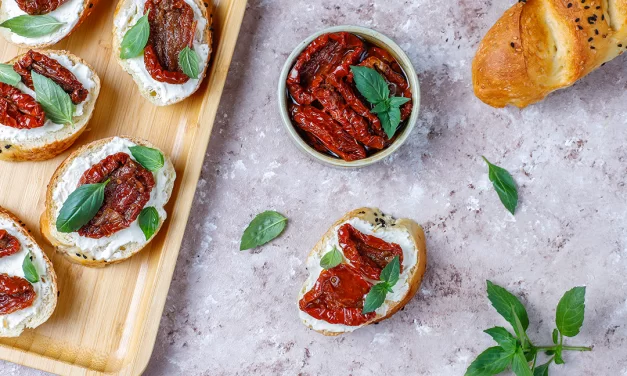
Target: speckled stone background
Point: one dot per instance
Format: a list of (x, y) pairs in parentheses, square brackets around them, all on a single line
[(235, 313)]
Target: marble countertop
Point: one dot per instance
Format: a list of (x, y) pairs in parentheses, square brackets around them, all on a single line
[(234, 313)]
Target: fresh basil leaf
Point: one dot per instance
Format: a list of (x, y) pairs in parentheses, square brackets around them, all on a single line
[(149, 221), (504, 338), (54, 100), (189, 62), (135, 39), (391, 273), (555, 334), (520, 331), (375, 297), (80, 207), (151, 159), (265, 227), (490, 362), (331, 259), (32, 26), (398, 101), (381, 107), (520, 366), (558, 356), (502, 300), (8, 75), (30, 272), (542, 370), (370, 84), (504, 185), (570, 311)]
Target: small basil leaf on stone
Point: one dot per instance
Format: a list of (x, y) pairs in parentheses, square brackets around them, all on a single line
[(8, 75), (262, 229), (570, 311), (503, 301), (331, 259), (504, 338), (135, 39), (504, 185), (149, 221), (30, 272), (490, 362), (32, 26), (189, 62), (151, 159), (520, 366), (80, 207), (54, 100), (370, 84), (375, 297)]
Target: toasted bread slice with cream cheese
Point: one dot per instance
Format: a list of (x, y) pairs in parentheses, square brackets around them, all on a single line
[(13, 324), (122, 244), (72, 13), (404, 232)]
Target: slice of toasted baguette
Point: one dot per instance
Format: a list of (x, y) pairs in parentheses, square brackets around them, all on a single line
[(107, 250), (39, 144), (127, 13), (13, 324), (72, 13), (386, 228)]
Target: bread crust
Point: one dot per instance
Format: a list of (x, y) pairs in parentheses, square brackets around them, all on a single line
[(416, 273), (46, 223), (30, 150), (87, 9), (540, 46), (50, 301), (207, 12)]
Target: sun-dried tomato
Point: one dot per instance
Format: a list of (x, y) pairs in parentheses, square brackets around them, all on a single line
[(328, 131), (125, 195), (338, 297), (172, 28), (340, 111), (49, 67), (329, 54), (367, 253), (19, 110), (36, 7), (8, 244), (15, 293)]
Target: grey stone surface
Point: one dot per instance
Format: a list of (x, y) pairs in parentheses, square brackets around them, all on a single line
[(231, 312)]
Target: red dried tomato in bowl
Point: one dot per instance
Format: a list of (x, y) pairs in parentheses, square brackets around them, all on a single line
[(324, 108)]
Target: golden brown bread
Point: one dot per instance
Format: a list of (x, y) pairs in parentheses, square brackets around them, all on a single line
[(540, 46)]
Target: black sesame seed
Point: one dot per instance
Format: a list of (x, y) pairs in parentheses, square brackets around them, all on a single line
[(579, 27), (592, 47), (603, 17), (58, 293), (586, 7), (577, 19), (7, 146), (591, 20), (91, 5), (569, 5), (85, 257), (596, 31), (598, 7), (512, 44), (78, 254), (620, 45), (583, 1), (590, 39)]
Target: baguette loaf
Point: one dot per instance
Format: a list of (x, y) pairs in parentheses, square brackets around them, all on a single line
[(72, 13), (127, 13), (13, 324), (52, 139), (405, 232), (122, 244), (540, 46)]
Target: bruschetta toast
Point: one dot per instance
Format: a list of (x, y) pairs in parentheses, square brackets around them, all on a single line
[(332, 300), (38, 136), (136, 182), (28, 284)]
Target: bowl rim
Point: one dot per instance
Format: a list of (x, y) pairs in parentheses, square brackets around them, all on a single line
[(381, 40)]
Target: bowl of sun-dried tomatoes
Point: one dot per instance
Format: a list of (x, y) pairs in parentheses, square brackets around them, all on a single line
[(349, 96)]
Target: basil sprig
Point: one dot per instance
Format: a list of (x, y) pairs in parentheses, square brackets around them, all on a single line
[(81, 206), (516, 350), (135, 39), (504, 185), (149, 221), (189, 62), (32, 26), (54, 100), (152, 159), (8, 75), (389, 277), (262, 229), (30, 272), (331, 259), (374, 88)]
